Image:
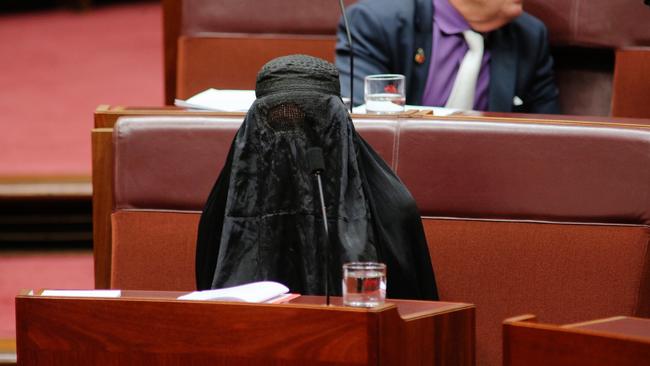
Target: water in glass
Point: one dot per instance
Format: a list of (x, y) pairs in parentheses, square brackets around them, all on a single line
[(364, 285), (385, 103)]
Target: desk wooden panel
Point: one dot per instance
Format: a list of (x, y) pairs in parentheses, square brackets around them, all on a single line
[(102, 177), (153, 328), (7, 352), (246, 53), (624, 326), (622, 341), (631, 85)]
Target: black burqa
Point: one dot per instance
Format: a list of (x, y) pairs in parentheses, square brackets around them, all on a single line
[(262, 220)]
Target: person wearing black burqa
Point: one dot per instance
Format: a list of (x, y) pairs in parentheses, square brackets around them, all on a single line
[(262, 219)]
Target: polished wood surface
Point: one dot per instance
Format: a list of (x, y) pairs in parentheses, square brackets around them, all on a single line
[(154, 328), (102, 160), (619, 325), (7, 352), (622, 122), (45, 187), (247, 53), (172, 15), (622, 341), (631, 86)]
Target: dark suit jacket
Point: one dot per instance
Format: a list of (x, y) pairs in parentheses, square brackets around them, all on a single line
[(387, 33)]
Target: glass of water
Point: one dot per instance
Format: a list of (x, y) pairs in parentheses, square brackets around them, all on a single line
[(384, 93), (364, 284)]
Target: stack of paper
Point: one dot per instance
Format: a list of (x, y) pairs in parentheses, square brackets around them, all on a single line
[(219, 100), (264, 291), (437, 111), (82, 293)]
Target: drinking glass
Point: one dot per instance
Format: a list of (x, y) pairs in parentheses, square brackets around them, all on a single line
[(384, 93), (364, 284)]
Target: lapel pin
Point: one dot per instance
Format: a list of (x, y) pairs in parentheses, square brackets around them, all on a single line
[(419, 56), (516, 101)]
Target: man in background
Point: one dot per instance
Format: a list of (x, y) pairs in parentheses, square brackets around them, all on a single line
[(486, 55)]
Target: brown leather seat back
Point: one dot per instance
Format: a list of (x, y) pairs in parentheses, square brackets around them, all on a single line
[(164, 169), (171, 163), (232, 60), (527, 171), (223, 43), (584, 36), (593, 23), (550, 218), (251, 16), (541, 218)]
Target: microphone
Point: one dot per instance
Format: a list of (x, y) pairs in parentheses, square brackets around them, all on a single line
[(317, 166), (347, 32)]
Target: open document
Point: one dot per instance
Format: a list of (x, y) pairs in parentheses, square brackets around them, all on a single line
[(437, 111), (231, 100), (82, 293), (257, 292), (220, 100)]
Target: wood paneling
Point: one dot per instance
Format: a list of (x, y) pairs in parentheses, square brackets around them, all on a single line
[(7, 352), (534, 344), (172, 15), (232, 61), (148, 330), (102, 159), (631, 90)]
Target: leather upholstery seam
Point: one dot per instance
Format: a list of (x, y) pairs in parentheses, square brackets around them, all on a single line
[(644, 284), (575, 13), (396, 142)]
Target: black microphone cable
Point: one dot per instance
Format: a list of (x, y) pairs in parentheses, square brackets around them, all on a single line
[(347, 31), (317, 166)]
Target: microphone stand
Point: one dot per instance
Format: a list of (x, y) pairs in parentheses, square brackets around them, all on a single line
[(316, 166), (347, 31)]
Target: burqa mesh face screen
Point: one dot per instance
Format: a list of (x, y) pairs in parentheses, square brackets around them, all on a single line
[(262, 219)]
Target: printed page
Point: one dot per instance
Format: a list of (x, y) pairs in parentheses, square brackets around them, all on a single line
[(82, 293), (437, 111), (256, 292), (223, 100)]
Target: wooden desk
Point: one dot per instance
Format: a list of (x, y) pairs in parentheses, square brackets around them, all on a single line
[(154, 328), (623, 326), (617, 340), (7, 352)]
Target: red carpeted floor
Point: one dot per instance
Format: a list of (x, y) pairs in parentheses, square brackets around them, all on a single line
[(28, 270), (57, 66)]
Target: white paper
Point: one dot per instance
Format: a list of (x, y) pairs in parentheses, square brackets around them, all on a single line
[(437, 111), (253, 292), (82, 293), (221, 100)]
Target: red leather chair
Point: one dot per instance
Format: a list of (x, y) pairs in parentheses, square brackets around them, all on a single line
[(602, 54), (223, 43), (600, 46), (545, 217)]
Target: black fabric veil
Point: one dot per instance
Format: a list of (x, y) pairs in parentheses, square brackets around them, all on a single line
[(262, 219)]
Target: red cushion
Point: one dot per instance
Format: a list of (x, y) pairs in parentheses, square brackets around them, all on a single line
[(154, 250), (563, 273)]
